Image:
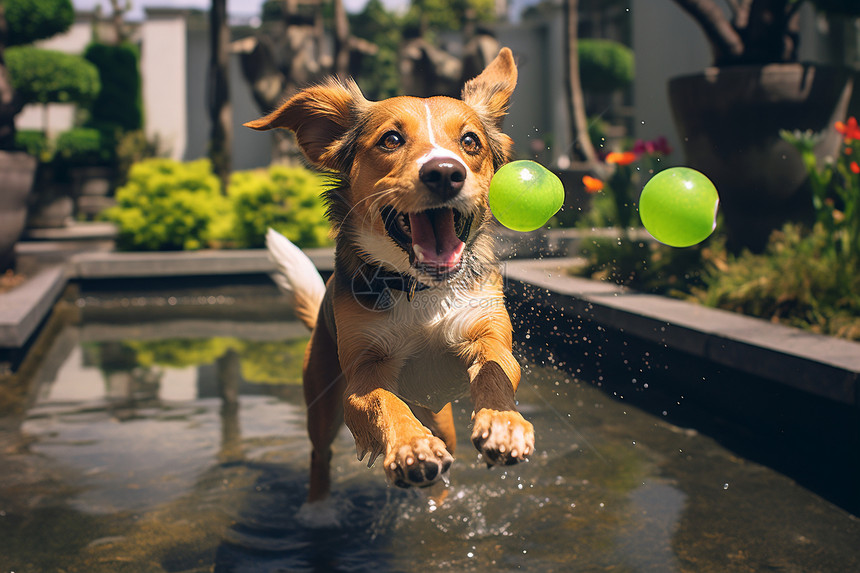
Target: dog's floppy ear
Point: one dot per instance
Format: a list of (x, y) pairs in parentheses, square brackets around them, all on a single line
[(489, 95), (320, 116)]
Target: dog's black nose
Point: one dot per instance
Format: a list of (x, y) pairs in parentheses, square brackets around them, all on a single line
[(443, 176)]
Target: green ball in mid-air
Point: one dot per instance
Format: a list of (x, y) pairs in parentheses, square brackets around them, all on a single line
[(678, 206), (524, 195)]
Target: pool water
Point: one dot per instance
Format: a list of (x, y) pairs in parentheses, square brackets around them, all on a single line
[(149, 442)]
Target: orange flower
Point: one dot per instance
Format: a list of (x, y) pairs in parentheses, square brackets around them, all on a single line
[(621, 157), (855, 168), (849, 130), (592, 184)]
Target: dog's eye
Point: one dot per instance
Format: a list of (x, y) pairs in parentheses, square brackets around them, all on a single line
[(391, 140), (470, 143)]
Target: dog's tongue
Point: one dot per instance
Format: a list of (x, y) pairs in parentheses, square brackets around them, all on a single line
[(434, 240)]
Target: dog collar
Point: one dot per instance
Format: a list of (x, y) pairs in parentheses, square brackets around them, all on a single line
[(376, 282)]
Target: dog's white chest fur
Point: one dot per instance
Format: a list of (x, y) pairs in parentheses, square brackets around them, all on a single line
[(432, 328)]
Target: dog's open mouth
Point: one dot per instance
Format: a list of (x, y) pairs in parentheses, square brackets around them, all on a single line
[(434, 239)]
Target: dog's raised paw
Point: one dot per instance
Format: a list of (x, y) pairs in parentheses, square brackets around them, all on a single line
[(420, 463), (502, 437)]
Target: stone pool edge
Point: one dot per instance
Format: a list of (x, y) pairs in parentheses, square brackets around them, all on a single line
[(817, 364)]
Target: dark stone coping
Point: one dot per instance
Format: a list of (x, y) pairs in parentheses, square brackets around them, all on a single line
[(822, 365)]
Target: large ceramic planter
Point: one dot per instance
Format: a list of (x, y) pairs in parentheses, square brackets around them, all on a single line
[(16, 180), (729, 120)]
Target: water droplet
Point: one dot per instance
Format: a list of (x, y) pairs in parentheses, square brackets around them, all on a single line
[(725, 486)]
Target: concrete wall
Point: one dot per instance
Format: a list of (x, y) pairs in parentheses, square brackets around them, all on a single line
[(538, 116), (164, 71), (667, 43), (250, 148)]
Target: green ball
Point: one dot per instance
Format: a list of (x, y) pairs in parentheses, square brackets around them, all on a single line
[(678, 206), (524, 195)]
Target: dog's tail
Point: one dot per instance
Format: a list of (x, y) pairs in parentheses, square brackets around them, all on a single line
[(297, 277)]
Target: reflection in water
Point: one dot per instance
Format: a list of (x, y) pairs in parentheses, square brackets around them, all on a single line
[(140, 453)]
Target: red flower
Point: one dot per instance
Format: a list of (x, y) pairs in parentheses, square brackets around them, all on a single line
[(855, 169), (657, 146), (592, 184), (621, 157), (849, 130)]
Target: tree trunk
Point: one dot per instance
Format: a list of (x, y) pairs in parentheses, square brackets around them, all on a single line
[(10, 104), (579, 121), (220, 111), (341, 40)]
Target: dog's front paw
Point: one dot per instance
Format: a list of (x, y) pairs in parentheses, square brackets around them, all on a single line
[(502, 437), (420, 462)]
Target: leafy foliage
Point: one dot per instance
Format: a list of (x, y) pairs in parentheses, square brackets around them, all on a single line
[(34, 142), (605, 65), (645, 265), (270, 362), (84, 146), (167, 205), (119, 102), (48, 76), (284, 198), (448, 14), (378, 75), (797, 281), (32, 20), (273, 362), (836, 190)]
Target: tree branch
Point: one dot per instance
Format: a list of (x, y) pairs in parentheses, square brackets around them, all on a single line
[(725, 41)]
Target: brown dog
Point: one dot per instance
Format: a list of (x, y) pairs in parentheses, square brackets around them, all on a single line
[(413, 316)]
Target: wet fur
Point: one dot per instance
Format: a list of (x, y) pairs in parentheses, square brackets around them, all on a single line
[(390, 375)]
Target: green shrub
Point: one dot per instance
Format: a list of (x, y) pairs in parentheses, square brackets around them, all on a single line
[(34, 142), (119, 102), (798, 280), (84, 146), (168, 205), (270, 362), (180, 352), (605, 65), (133, 147), (284, 198), (48, 76), (31, 20), (277, 362)]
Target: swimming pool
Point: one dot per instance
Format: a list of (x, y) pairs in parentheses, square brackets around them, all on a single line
[(163, 430)]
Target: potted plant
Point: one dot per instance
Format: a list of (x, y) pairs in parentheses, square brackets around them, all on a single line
[(21, 22), (730, 116)]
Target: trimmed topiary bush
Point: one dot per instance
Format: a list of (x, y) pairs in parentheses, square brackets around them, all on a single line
[(84, 146), (168, 205), (119, 103), (31, 20), (48, 76), (284, 198), (605, 65), (34, 142)]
